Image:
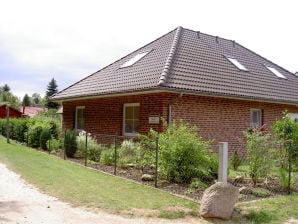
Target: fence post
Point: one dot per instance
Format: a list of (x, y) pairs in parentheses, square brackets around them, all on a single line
[(115, 153), (86, 148), (156, 162), (7, 124), (290, 168), (223, 162), (64, 154)]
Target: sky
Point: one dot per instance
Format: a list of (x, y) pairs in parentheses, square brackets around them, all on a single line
[(69, 40)]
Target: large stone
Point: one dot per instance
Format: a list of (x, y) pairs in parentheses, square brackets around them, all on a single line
[(147, 177), (218, 201)]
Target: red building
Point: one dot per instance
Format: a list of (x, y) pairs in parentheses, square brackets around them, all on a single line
[(13, 113)]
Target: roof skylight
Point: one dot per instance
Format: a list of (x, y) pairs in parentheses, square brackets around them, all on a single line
[(237, 64), (133, 60), (276, 72)]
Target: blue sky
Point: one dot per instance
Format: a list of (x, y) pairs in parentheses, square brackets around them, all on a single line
[(68, 40)]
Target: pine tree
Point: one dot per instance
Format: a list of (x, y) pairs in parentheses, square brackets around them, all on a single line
[(26, 100), (52, 89), (6, 88)]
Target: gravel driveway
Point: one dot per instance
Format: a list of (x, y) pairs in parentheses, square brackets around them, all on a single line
[(22, 203)]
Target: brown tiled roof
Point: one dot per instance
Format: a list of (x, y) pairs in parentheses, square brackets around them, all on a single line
[(190, 61)]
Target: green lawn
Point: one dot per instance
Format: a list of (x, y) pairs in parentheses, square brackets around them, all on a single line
[(85, 187)]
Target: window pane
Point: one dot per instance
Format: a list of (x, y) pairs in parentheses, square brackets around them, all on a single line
[(255, 118), (80, 118), (131, 119), (129, 113)]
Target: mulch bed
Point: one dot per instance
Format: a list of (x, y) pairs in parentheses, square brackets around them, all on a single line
[(135, 174)]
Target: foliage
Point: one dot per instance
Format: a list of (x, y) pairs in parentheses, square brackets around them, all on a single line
[(17, 128), (54, 145), (70, 143), (6, 97), (34, 132), (260, 192), (36, 99), (93, 149), (108, 157), (129, 152), (45, 135), (183, 155), (284, 178), (259, 152), (235, 160), (26, 100), (197, 184), (52, 89)]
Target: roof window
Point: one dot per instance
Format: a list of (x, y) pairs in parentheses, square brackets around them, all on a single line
[(133, 60), (237, 64), (276, 72)]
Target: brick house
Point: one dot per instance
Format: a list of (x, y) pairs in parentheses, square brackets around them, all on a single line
[(13, 113), (214, 83)]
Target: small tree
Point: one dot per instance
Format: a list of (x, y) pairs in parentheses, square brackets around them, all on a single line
[(286, 133), (52, 89), (36, 98), (259, 152), (26, 100)]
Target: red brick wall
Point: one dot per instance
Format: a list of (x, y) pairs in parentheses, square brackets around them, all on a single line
[(225, 119), (217, 118), (105, 115)]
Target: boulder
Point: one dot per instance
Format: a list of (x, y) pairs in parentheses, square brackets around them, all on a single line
[(218, 201), (147, 177)]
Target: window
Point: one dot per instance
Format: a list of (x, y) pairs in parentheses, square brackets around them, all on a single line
[(255, 118), (294, 116), (134, 59), (131, 113), (276, 72), (237, 64), (80, 118)]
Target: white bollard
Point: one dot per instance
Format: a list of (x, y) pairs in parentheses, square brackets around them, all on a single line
[(223, 162)]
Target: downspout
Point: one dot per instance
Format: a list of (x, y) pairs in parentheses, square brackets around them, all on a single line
[(174, 100)]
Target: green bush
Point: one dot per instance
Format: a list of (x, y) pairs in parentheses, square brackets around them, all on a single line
[(260, 216), (183, 155), (45, 135), (54, 145), (34, 136), (235, 160), (93, 148), (128, 152), (17, 128), (259, 153), (107, 157), (70, 143)]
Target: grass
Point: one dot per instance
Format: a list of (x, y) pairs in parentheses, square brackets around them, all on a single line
[(272, 210), (80, 186)]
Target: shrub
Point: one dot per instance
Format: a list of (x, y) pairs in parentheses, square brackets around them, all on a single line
[(54, 145), (108, 156), (260, 216), (45, 135), (17, 128), (93, 149), (235, 160), (128, 152), (34, 136), (183, 155), (70, 143), (259, 153)]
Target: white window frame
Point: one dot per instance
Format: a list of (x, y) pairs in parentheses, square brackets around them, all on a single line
[(254, 125), (124, 115), (134, 59), (276, 72), (76, 117), (237, 64)]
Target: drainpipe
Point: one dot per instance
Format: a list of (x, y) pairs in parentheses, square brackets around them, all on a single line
[(170, 107)]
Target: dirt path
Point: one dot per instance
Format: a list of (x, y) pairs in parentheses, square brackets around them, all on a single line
[(22, 203)]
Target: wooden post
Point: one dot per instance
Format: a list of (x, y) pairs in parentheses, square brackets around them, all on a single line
[(223, 162), (7, 124)]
